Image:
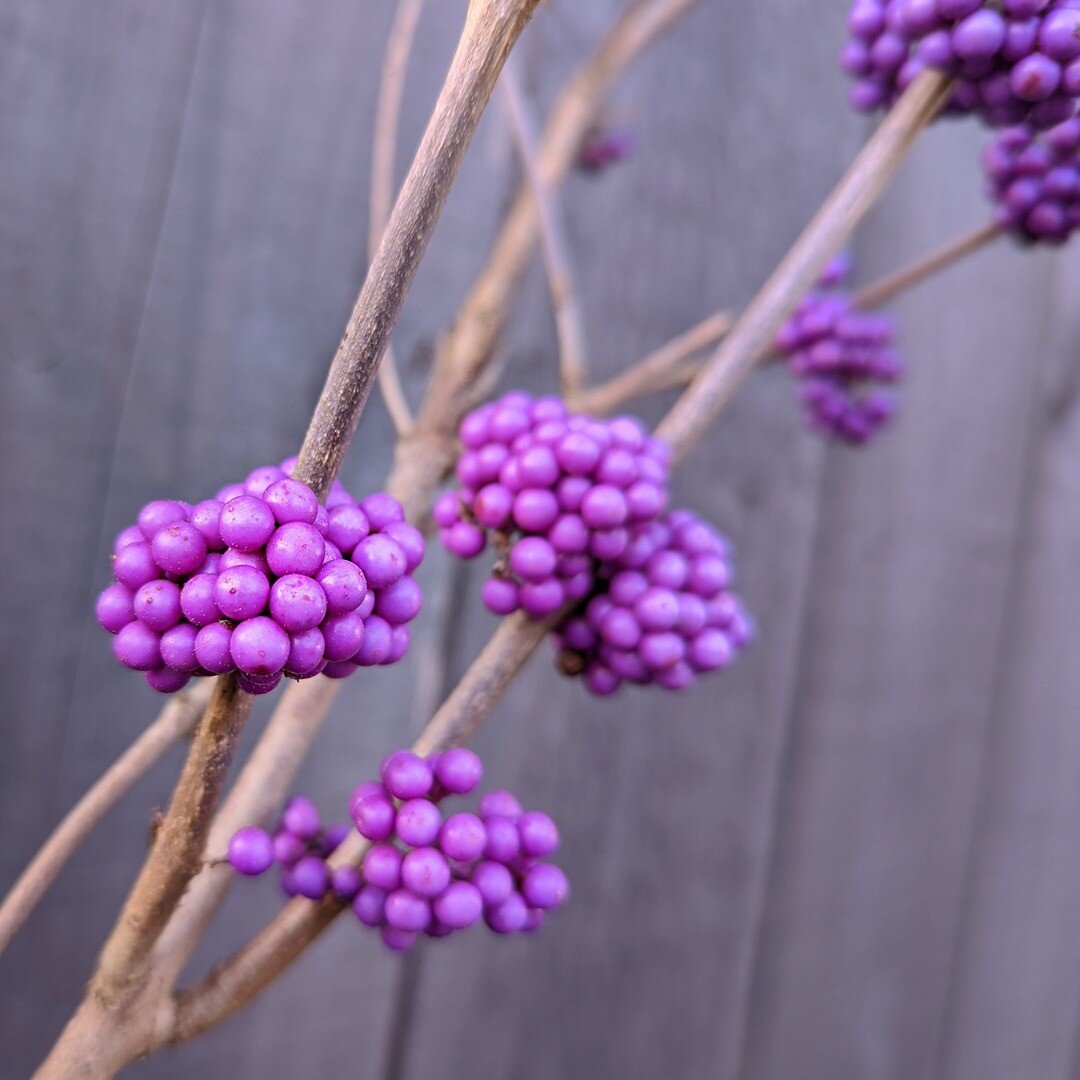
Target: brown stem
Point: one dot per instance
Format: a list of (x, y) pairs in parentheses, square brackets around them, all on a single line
[(750, 339), (659, 370), (259, 790), (175, 723), (233, 983), (907, 277), (569, 324), (491, 29), (464, 354), (384, 150)]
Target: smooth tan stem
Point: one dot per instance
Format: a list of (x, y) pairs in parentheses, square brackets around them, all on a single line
[(491, 29), (750, 339), (175, 723), (907, 277), (554, 244), (383, 153)]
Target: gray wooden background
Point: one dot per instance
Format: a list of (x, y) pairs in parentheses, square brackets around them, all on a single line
[(854, 855)]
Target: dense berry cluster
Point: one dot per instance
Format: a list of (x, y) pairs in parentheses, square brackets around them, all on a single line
[(1034, 180), (837, 353), (555, 492), (665, 613), (424, 872), (605, 146), (1014, 61), (264, 581)]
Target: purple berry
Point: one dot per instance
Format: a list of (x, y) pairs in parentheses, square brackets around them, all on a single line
[(251, 851), (458, 770), (259, 646), (246, 523), (406, 776)]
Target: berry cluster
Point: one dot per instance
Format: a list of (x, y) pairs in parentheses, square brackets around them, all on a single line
[(424, 873), (264, 581), (1014, 61), (605, 146), (666, 614), (557, 492), (300, 844), (1033, 179), (836, 351)]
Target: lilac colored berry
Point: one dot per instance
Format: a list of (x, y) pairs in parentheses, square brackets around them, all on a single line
[(251, 851)]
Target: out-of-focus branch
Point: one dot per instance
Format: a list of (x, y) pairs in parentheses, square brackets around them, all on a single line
[(175, 723), (569, 324), (461, 374), (907, 277), (383, 152), (750, 339), (659, 370)]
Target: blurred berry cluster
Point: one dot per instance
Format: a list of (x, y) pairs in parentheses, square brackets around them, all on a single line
[(839, 354), (1033, 179)]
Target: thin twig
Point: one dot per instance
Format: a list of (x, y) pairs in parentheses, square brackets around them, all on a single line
[(659, 370), (750, 339), (175, 723), (463, 357), (569, 324), (491, 29), (384, 151), (240, 978), (907, 277)]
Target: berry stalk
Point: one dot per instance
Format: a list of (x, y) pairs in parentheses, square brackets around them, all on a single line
[(423, 459), (237, 980), (750, 339)]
